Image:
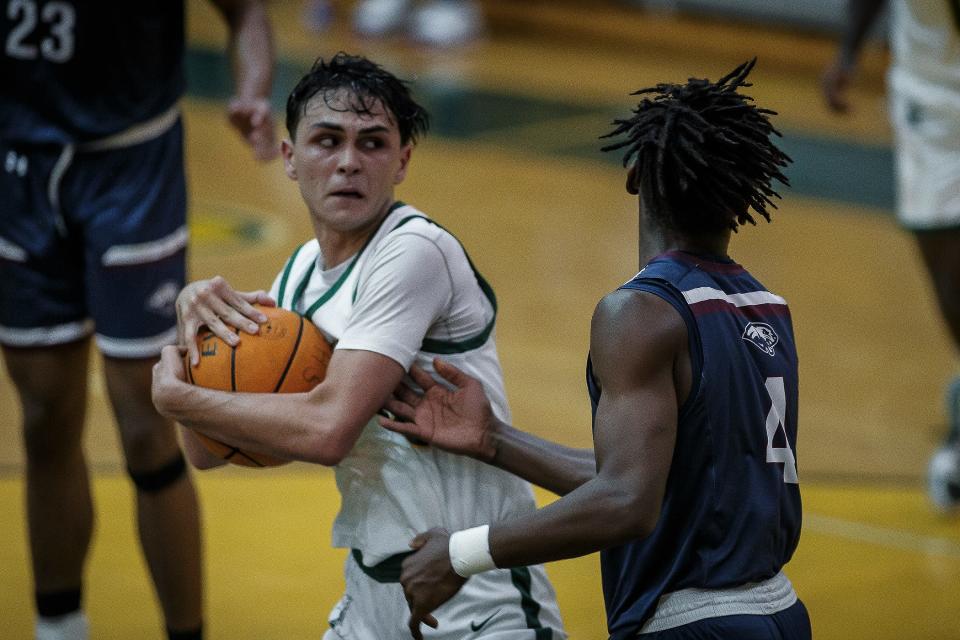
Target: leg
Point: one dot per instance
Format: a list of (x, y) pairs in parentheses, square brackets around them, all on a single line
[(941, 255), (52, 385), (168, 513)]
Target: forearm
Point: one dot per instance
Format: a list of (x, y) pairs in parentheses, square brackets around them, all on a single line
[(251, 47), (287, 425), (546, 464), (861, 14), (568, 528)]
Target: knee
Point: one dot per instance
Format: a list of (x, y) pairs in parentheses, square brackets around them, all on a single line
[(159, 478), (148, 440), (51, 433)]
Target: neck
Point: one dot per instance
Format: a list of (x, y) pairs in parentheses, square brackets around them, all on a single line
[(656, 239), (339, 245)]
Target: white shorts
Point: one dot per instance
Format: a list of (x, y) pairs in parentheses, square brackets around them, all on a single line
[(927, 162), (505, 604)]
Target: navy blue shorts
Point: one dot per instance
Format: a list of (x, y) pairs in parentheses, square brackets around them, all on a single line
[(793, 623), (93, 242)]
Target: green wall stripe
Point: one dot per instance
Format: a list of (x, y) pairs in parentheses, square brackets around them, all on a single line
[(824, 167)]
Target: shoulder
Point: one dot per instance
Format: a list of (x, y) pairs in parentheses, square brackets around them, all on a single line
[(418, 238), (636, 311), (638, 327)]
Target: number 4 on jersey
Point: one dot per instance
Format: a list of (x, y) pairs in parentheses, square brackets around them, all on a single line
[(775, 422)]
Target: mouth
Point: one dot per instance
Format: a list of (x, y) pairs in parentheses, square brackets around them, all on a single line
[(347, 193)]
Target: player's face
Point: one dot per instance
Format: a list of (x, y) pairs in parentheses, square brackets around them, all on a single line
[(346, 163)]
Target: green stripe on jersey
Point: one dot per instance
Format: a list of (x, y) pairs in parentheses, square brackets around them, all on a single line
[(531, 608), (286, 274)]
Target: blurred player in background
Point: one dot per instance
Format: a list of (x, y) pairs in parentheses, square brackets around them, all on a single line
[(437, 23), (691, 493), (389, 287), (93, 239), (924, 89)]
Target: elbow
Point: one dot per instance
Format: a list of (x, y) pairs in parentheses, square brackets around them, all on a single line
[(327, 447), (635, 518)]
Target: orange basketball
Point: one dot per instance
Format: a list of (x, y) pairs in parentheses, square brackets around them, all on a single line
[(288, 355)]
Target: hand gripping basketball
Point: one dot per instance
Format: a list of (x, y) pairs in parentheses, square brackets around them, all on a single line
[(287, 355)]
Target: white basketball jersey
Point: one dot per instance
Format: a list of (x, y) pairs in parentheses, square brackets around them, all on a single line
[(391, 489)]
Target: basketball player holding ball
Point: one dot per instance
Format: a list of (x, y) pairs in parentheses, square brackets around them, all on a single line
[(390, 288)]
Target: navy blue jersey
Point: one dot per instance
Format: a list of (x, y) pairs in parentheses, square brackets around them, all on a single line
[(80, 70), (731, 512)]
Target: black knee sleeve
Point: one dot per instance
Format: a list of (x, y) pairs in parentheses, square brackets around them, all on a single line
[(159, 479)]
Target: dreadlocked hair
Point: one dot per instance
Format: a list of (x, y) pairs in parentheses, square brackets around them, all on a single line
[(366, 84), (702, 153)]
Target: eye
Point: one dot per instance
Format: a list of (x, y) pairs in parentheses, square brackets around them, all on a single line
[(371, 144), (327, 142)]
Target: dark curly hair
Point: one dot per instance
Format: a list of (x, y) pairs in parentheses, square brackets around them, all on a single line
[(702, 153), (368, 83)]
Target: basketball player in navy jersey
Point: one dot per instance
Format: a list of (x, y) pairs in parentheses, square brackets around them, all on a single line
[(93, 243), (691, 493)]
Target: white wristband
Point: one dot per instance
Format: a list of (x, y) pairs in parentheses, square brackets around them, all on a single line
[(470, 551)]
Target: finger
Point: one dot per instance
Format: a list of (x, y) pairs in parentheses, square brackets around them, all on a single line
[(451, 373), (243, 311), (430, 621), (408, 396), (171, 361), (415, 628), (419, 540), (222, 331), (260, 297), (400, 409), (235, 312), (422, 378), (409, 429), (188, 339)]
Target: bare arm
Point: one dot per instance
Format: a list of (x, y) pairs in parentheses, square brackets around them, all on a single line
[(546, 464), (861, 14), (636, 341), (252, 56), (461, 421), (320, 426)]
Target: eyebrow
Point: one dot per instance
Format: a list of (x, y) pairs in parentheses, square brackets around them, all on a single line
[(379, 128)]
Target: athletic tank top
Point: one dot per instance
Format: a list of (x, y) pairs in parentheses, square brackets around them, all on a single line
[(80, 70), (731, 511)]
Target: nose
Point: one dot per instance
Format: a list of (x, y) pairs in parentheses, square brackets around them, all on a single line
[(348, 161)]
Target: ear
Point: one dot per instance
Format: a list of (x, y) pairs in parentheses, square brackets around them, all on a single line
[(286, 150), (632, 187), (404, 163)]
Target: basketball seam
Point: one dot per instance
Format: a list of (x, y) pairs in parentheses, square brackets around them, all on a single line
[(235, 451), (293, 354), (233, 367)]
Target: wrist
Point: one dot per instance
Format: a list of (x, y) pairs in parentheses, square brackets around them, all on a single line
[(469, 551), (491, 441)]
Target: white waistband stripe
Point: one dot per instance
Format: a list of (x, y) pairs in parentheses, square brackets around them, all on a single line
[(152, 128), (12, 252), (702, 294), (132, 348), (689, 605), (146, 252), (46, 336)]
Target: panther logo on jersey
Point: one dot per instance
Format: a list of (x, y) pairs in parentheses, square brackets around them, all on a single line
[(762, 336)]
